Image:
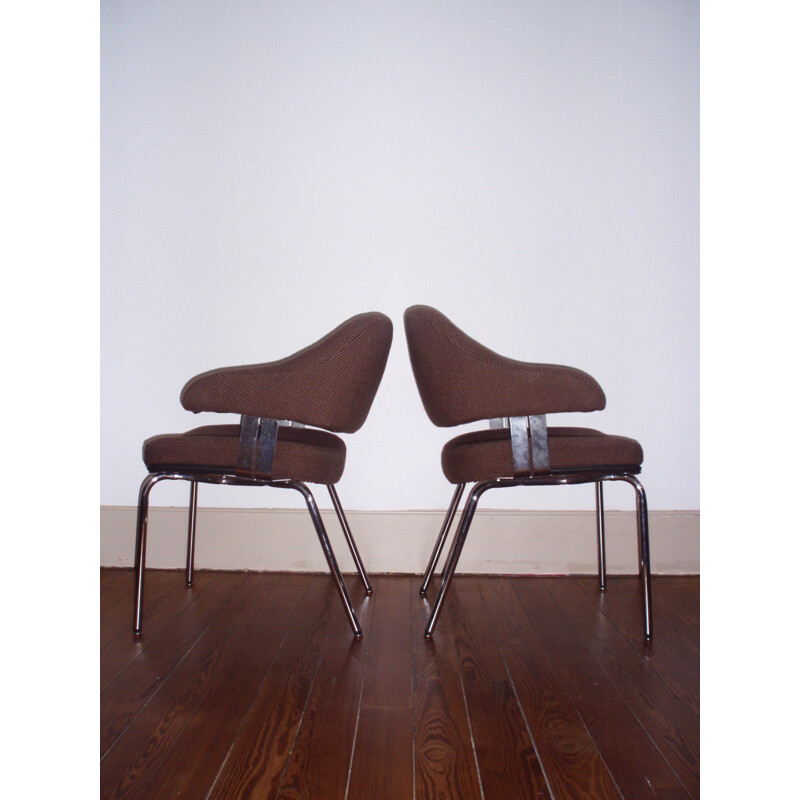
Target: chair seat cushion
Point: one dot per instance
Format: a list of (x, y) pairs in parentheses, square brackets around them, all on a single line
[(485, 455), (301, 454)]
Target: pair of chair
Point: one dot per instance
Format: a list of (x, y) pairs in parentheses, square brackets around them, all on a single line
[(330, 386)]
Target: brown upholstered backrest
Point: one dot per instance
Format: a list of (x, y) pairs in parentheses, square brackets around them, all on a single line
[(462, 381), (330, 384)]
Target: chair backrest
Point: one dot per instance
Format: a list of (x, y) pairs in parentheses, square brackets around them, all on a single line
[(460, 380), (330, 384)]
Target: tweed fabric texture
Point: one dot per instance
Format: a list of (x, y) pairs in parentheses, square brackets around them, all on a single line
[(485, 455), (301, 454), (460, 380), (330, 384)]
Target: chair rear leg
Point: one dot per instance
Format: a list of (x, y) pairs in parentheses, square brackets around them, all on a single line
[(455, 552), (601, 534), (437, 548), (351, 542), (329, 556), (191, 533)]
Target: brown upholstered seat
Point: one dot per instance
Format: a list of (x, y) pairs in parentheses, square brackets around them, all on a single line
[(461, 381), (301, 454), (486, 455), (328, 385)]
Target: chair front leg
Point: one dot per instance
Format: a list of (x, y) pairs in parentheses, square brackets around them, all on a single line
[(328, 551), (455, 552), (643, 538), (351, 542), (141, 547), (437, 548), (642, 525), (191, 532), (601, 534)]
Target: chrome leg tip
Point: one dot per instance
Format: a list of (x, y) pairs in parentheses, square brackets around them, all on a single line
[(422, 592), (368, 590)]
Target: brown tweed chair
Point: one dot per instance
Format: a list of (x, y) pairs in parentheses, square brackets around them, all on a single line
[(462, 381), (330, 384)]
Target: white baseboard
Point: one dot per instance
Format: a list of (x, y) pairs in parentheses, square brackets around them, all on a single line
[(500, 542)]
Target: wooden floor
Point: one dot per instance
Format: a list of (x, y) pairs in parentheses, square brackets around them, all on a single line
[(250, 685)]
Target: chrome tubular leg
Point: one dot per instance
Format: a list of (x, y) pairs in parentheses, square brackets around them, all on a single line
[(328, 551), (141, 546), (455, 552), (438, 547), (190, 536), (601, 534), (643, 537), (351, 542), (644, 557)]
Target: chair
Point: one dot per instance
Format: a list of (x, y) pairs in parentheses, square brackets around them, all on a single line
[(330, 384), (461, 381)]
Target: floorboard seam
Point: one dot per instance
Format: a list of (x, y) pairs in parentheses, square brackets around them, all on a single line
[(622, 697), (569, 697), (527, 725), (355, 735), (655, 672), (471, 736), (367, 653), (246, 716), (611, 681), (153, 695), (305, 706), (516, 696)]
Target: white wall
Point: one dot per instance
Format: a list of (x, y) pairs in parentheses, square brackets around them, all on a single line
[(531, 169)]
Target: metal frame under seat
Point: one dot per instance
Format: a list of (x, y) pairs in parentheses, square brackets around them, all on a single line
[(531, 466), (256, 451)]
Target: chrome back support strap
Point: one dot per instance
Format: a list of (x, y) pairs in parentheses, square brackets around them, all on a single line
[(529, 446), (257, 439)]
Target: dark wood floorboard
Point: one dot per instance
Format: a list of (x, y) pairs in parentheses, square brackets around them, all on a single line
[(213, 731), (181, 704), (256, 762), (670, 656), (382, 760), (165, 596), (444, 757), (507, 761), (115, 599), (673, 730), (109, 576), (388, 680), (681, 596), (636, 764), (383, 753), (161, 653), (574, 766), (250, 685), (319, 765)]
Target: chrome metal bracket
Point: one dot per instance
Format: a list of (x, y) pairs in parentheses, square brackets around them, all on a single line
[(529, 446), (257, 439), (498, 422)]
